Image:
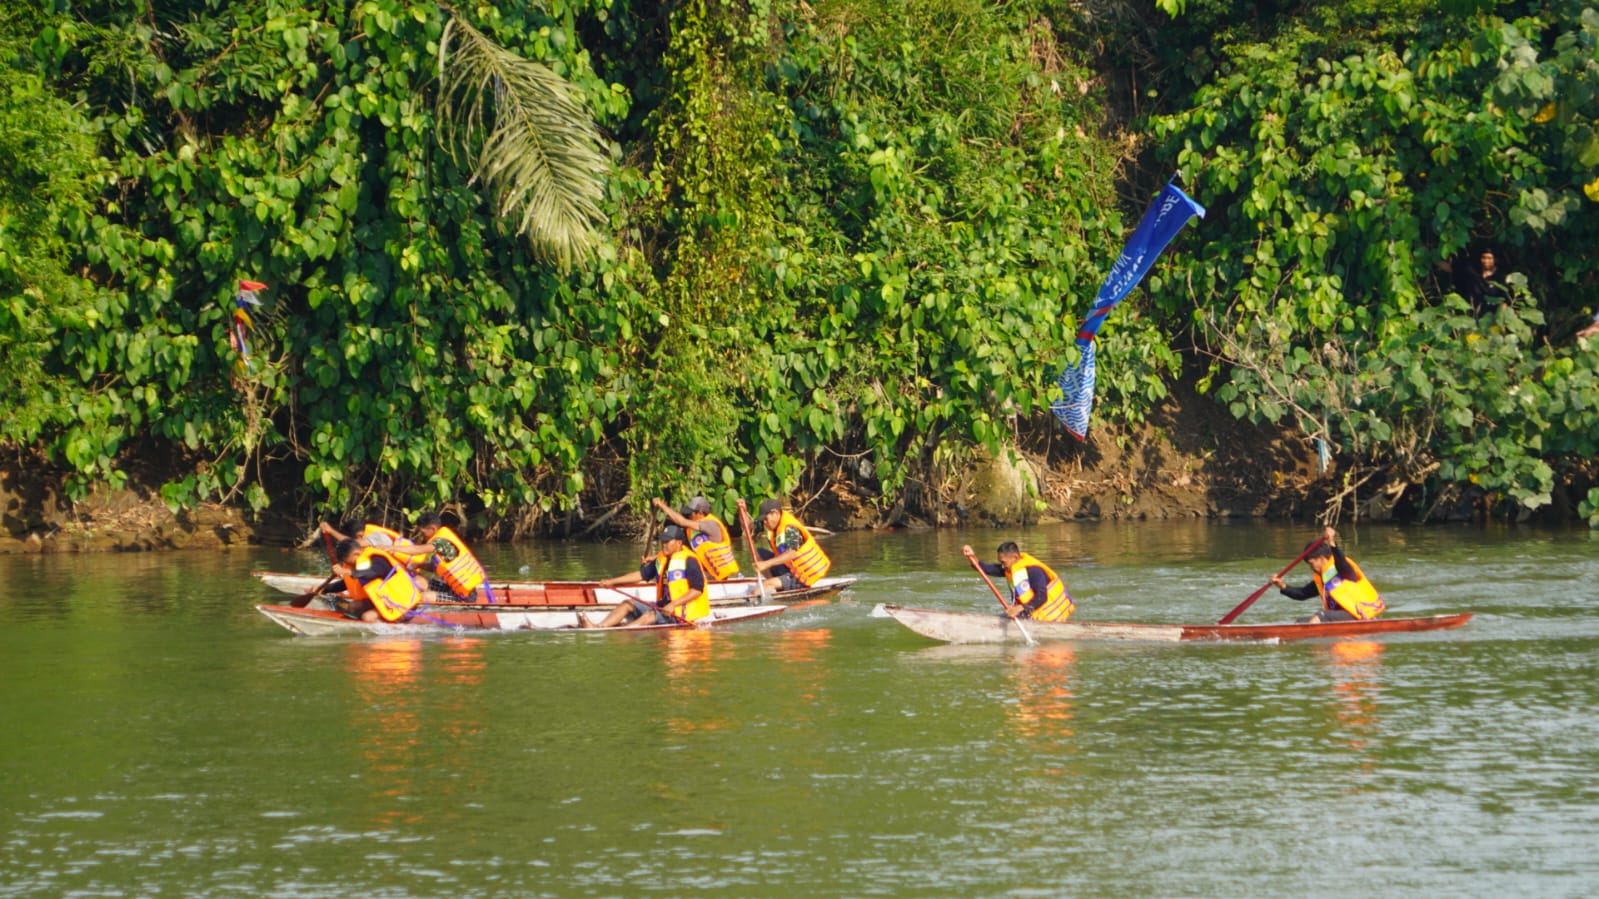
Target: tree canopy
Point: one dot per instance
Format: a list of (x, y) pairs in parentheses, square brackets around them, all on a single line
[(535, 258)]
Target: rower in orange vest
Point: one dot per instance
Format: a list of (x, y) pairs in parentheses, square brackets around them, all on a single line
[(1037, 592), (679, 587), (708, 537), (456, 574), (1344, 590), (792, 559), (380, 587)]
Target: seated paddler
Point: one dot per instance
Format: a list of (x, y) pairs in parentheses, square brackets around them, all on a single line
[(708, 537), (455, 575), (379, 586), (679, 588), (1345, 592), (1037, 592), (792, 559)]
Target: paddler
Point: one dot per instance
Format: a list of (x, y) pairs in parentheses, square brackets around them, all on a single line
[(365, 530), (455, 574), (380, 587), (1037, 592), (679, 587), (794, 560), (1345, 592), (708, 537)]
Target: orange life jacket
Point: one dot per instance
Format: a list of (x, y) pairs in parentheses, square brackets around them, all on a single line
[(716, 556), (810, 564), (1359, 598), (464, 573), (1057, 605), (671, 584)]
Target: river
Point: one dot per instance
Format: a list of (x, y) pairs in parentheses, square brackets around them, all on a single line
[(162, 738)]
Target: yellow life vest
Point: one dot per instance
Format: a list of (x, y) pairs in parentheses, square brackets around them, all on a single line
[(716, 556), (671, 585), (464, 573), (1358, 598), (396, 594), (371, 529), (810, 564), (1057, 605)]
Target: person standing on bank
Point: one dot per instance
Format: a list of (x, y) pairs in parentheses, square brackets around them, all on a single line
[(1037, 592), (1345, 592), (794, 560), (708, 537), (679, 588)]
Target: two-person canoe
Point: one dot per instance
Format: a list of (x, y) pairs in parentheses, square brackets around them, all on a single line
[(969, 627), (448, 617), (571, 594)]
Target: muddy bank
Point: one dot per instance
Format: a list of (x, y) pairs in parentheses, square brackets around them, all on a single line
[(1188, 461)]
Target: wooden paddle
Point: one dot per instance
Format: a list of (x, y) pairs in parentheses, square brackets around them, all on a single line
[(1239, 610), (749, 537), (972, 558), (304, 599)]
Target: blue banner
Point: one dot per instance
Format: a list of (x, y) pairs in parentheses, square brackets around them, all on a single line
[(1170, 212)]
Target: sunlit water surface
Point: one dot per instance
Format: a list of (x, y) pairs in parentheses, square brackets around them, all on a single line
[(162, 738)]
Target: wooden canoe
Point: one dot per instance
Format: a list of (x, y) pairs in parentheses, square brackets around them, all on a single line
[(969, 627), (572, 594), (448, 617)]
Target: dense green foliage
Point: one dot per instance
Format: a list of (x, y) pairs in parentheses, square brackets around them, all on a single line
[(834, 242), (1349, 169)]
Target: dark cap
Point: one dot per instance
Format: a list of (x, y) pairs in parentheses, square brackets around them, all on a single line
[(673, 532), (699, 504), (768, 507)]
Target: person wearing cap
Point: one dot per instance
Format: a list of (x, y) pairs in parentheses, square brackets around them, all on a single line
[(708, 537), (1037, 592), (456, 574), (679, 588), (1345, 592), (794, 560)]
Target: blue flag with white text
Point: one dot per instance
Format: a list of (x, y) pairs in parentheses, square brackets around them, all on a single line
[(1170, 212)]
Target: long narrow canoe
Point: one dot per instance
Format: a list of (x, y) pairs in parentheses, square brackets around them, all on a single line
[(969, 627), (736, 591), (447, 617)]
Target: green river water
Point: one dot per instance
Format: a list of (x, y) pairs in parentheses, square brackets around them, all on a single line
[(163, 739)]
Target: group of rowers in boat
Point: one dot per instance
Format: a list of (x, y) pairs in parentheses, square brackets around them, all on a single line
[(383, 573), (1038, 593)]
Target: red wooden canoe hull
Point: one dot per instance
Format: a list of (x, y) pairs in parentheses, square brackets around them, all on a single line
[(970, 627)]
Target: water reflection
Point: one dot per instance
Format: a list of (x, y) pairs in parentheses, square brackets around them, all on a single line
[(693, 660), (1042, 713), (1356, 667), (398, 741)]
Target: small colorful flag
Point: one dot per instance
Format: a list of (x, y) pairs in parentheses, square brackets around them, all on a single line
[(244, 321)]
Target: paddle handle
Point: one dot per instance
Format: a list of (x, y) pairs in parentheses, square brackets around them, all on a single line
[(748, 525), (972, 558), (304, 599), (1239, 610)]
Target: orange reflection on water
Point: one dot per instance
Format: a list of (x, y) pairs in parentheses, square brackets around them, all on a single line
[(1357, 669), (692, 659), (387, 675), (1042, 712)]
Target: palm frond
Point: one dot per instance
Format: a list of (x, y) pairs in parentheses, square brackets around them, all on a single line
[(539, 153)]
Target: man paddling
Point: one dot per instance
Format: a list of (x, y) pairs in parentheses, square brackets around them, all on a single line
[(1345, 592), (456, 575), (708, 537), (679, 587), (1037, 592), (792, 558)]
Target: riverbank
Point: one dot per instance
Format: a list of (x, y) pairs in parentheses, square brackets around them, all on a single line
[(1189, 460)]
